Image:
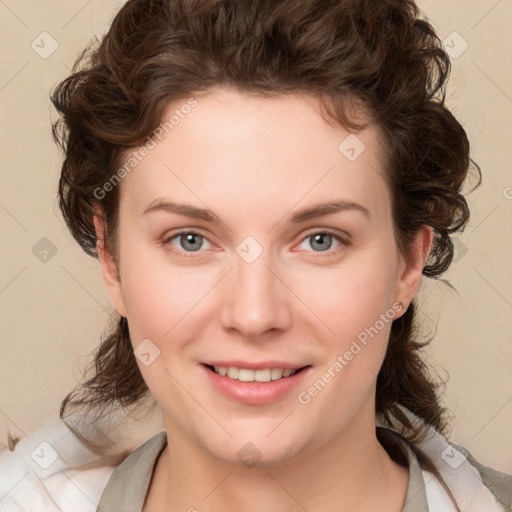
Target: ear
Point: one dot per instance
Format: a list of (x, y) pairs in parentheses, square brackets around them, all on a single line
[(109, 268), (411, 269)]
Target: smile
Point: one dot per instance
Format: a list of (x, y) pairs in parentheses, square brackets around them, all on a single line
[(261, 384)]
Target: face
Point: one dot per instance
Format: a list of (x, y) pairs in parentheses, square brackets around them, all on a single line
[(284, 257)]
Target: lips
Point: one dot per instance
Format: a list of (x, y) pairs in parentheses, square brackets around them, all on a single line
[(254, 383)]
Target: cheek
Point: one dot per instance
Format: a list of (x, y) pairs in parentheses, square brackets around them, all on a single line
[(351, 296), (159, 296), (356, 306)]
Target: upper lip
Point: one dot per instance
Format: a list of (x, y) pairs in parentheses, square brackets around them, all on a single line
[(256, 366)]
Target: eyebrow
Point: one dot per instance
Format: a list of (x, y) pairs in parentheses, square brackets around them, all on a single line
[(303, 215), (181, 209), (327, 209)]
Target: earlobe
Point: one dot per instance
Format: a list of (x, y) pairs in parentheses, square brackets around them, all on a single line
[(414, 262), (108, 265)]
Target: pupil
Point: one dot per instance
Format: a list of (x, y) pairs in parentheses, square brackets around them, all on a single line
[(321, 238), (189, 239)]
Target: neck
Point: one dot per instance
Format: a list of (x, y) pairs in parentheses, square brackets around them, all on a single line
[(351, 472)]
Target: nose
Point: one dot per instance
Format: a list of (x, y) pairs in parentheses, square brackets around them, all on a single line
[(256, 300)]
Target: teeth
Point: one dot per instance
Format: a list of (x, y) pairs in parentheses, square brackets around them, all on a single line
[(277, 373), (233, 372), (247, 375), (263, 375)]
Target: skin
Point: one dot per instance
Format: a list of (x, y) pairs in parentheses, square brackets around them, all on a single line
[(254, 162)]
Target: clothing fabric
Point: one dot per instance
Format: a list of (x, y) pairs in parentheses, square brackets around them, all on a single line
[(38, 476), (126, 490)]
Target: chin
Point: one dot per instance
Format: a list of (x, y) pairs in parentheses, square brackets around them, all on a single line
[(258, 452)]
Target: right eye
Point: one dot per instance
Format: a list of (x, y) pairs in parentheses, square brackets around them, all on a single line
[(184, 242)]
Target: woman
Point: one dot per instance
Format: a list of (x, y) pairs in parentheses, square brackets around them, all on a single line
[(264, 185)]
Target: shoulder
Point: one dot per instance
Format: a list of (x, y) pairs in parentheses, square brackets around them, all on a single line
[(477, 485), (39, 473), (474, 486)]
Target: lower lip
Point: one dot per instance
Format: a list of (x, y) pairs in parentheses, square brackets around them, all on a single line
[(254, 392)]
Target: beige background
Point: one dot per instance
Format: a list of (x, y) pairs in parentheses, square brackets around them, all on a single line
[(53, 312)]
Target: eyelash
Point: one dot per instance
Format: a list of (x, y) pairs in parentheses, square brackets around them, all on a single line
[(191, 254)]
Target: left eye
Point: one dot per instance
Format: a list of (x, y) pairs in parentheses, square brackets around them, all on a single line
[(322, 240)]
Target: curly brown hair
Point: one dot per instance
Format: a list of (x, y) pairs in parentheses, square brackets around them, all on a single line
[(382, 55)]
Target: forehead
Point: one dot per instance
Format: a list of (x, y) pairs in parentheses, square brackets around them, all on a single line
[(254, 150)]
